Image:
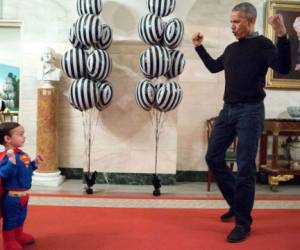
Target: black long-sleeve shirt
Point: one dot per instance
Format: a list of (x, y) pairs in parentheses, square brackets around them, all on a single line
[(246, 62)]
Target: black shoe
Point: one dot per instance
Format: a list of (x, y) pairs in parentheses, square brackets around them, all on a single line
[(228, 216), (238, 234)]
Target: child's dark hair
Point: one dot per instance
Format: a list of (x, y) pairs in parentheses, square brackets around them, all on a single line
[(5, 129)]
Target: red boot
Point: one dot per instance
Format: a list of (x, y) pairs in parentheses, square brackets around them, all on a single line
[(9, 241), (23, 238)]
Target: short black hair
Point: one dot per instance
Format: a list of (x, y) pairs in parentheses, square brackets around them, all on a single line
[(247, 8), (5, 129)]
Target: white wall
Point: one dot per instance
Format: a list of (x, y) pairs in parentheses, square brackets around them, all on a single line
[(10, 45)]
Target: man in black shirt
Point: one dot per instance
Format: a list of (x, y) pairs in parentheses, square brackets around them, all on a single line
[(245, 63)]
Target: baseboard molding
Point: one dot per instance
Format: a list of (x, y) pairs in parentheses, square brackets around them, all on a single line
[(191, 176), (120, 178), (138, 179), (166, 179)]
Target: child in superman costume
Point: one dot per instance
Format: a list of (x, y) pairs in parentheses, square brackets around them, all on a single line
[(16, 175)]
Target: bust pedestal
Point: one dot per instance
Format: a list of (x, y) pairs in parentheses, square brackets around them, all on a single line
[(47, 173)]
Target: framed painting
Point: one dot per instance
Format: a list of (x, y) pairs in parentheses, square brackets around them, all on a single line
[(290, 10), (10, 86)]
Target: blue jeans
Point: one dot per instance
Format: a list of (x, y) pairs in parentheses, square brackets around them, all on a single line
[(244, 120)]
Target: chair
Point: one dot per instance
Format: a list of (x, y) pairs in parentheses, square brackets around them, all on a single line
[(230, 156), (9, 116)]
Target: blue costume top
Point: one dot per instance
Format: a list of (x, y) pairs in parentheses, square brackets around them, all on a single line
[(19, 176), (15, 177)]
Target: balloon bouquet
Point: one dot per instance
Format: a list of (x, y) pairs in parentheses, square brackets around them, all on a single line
[(160, 59), (89, 64)]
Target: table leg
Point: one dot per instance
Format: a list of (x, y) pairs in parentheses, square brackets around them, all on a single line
[(263, 150), (275, 151)]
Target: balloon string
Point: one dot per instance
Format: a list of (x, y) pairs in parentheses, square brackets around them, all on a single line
[(84, 124), (159, 122), (90, 122), (98, 120), (156, 139), (90, 119), (89, 141), (94, 121)]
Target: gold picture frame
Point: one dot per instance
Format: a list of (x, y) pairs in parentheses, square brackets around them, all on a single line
[(289, 10)]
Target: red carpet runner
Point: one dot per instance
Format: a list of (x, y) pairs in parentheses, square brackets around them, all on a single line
[(88, 228)]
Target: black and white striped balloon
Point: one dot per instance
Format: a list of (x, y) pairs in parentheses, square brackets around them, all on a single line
[(169, 96), (83, 94), (155, 61), (106, 38), (177, 64), (157, 86), (89, 7), (145, 94), (161, 7), (151, 28), (99, 64), (73, 63), (88, 29), (73, 39), (173, 33), (105, 92), (70, 99)]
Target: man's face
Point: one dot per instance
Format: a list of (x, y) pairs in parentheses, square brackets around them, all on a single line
[(241, 26)]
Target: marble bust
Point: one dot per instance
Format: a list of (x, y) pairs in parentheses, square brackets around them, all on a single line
[(48, 72)]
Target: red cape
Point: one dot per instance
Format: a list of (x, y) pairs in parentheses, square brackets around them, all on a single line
[(3, 153)]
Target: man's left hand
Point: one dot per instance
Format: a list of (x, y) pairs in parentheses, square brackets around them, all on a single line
[(277, 24)]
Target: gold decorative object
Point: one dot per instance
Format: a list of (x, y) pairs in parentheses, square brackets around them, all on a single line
[(274, 180)]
